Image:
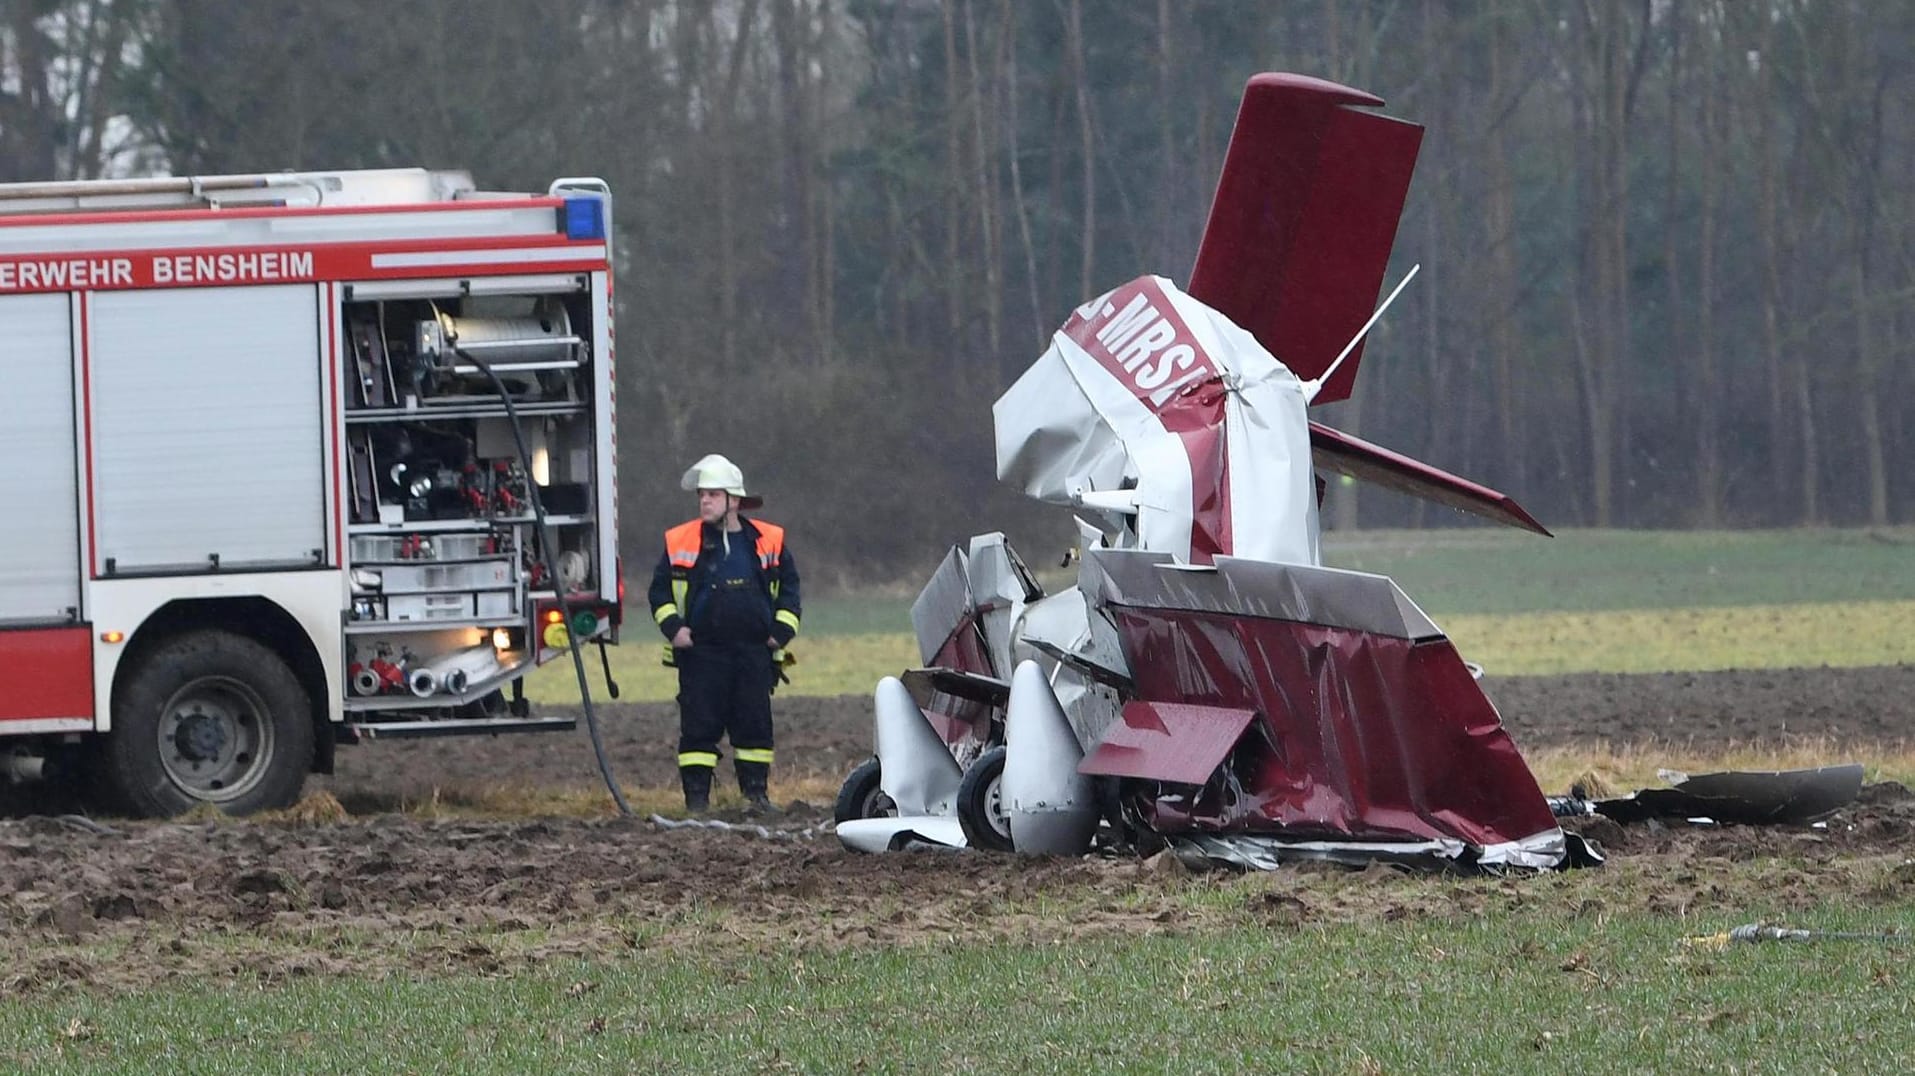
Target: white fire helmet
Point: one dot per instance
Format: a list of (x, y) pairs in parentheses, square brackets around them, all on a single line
[(717, 472)]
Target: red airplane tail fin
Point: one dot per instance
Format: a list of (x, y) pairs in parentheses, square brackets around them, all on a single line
[(1305, 214)]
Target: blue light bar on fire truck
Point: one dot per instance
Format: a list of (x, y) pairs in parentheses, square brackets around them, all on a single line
[(584, 218)]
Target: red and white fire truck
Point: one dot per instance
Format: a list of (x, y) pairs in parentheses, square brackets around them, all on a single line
[(290, 460)]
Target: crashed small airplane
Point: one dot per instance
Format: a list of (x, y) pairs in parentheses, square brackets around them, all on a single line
[(1208, 685)]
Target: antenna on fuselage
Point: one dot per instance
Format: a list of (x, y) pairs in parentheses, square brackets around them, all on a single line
[(1315, 384)]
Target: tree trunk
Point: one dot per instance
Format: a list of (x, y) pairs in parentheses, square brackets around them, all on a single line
[(1593, 89), (1019, 206), (825, 207), (1768, 226), (1811, 457), (951, 275), (1596, 414), (724, 116), (984, 160), (1169, 182), (1087, 145), (1706, 402), (1874, 458), (1499, 219), (1681, 312)]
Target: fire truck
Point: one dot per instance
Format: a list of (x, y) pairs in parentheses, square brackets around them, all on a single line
[(294, 460)]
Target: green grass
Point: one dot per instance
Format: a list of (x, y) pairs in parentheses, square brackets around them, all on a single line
[(827, 665), (885, 612), (1544, 991), (1503, 571), (1519, 604), (1836, 635)]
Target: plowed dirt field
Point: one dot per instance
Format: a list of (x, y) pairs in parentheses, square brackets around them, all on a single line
[(108, 904)]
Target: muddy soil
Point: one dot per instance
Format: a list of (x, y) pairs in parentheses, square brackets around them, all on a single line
[(362, 890)]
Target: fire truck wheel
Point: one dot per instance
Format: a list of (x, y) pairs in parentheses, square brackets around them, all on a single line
[(209, 717), (980, 803), (862, 795)]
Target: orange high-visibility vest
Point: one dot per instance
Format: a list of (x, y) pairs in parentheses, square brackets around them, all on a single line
[(682, 546)]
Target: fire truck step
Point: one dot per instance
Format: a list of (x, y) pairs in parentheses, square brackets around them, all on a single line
[(394, 730)]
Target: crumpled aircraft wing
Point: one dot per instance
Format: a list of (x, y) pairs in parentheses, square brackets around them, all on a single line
[(1336, 451)]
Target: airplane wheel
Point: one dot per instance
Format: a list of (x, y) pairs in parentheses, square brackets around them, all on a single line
[(862, 795), (980, 803)]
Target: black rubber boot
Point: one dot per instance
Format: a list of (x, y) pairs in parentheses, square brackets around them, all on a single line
[(754, 778), (697, 783)]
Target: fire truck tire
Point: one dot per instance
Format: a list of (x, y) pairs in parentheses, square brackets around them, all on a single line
[(980, 803), (208, 717), (862, 795)]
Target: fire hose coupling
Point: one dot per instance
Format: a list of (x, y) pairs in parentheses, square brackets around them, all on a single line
[(454, 673), (380, 675)]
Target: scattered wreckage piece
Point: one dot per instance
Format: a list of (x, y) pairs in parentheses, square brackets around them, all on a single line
[(1767, 797)]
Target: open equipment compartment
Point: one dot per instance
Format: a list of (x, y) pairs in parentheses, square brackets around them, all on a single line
[(451, 595)]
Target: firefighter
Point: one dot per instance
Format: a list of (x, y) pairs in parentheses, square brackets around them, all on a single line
[(725, 595)]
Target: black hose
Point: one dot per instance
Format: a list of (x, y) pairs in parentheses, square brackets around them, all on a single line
[(546, 549)]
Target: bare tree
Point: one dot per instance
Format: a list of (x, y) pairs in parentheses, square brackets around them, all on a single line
[(61, 63), (1086, 128), (1707, 395)]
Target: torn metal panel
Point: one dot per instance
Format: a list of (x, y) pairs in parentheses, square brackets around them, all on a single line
[(927, 684), (1168, 741), (1000, 587), (1066, 628), (1359, 601), (1091, 705), (1080, 651), (1785, 796), (965, 649), (1261, 852), (944, 610), (1090, 670)]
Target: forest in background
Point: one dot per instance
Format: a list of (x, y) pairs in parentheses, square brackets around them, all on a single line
[(1667, 266)]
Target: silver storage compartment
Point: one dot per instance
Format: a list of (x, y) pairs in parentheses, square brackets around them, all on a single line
[(459, 575), (415, 607)]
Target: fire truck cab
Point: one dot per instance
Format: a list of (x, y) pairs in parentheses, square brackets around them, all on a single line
[(274, 447)]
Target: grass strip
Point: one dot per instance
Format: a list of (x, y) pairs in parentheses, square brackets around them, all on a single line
[(1550, 988)]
